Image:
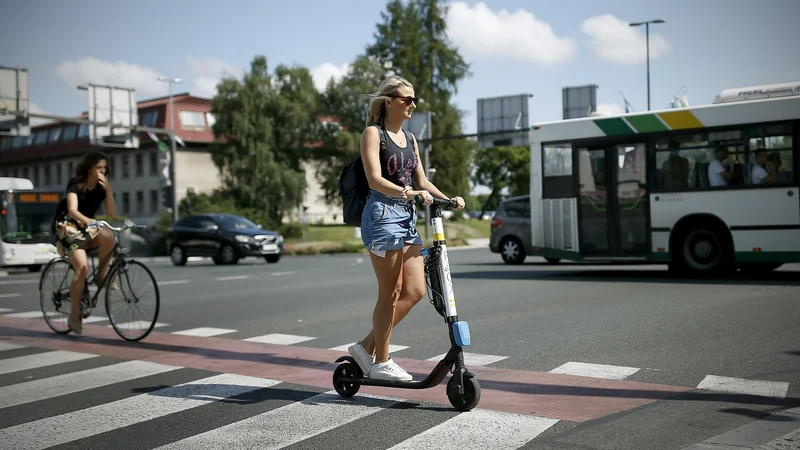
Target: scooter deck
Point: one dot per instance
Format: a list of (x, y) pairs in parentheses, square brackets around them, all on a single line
[(435, 378)]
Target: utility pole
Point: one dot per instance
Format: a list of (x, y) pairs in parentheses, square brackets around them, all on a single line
[(647, 34), (172, 146)]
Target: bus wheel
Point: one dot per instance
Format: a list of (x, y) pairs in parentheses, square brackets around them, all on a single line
[(705, 251)]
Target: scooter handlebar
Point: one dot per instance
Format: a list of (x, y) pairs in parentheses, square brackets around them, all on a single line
[(444, 202)]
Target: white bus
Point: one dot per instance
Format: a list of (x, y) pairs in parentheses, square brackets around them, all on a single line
[(25, 217), (649, 187)]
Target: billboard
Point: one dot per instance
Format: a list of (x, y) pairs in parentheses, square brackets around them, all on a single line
[(579, 101), (113, 113), (503, 121), (14, 102)]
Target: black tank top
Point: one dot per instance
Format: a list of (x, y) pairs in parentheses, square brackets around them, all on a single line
[(398, 164)]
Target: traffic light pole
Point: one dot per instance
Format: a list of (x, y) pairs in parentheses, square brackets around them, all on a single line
[(173, 185)]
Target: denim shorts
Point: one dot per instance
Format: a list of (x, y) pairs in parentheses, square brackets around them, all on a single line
[(388, 223)]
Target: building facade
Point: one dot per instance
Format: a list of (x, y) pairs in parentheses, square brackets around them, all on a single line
[(50, 154)]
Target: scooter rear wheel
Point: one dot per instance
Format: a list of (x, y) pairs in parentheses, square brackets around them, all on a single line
[(346, 370), (471, 396)]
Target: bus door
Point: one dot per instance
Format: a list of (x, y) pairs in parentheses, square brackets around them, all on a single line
[(613, 200)]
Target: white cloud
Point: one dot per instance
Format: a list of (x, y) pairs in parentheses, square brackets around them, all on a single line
[(206, 73), (120, 73), (611, 108), (614, 40), (325, 71), (480, 32)]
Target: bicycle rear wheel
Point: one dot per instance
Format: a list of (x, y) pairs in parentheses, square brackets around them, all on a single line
[(128, 287), (54, 294)]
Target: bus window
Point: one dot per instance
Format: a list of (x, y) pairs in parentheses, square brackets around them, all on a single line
[(699, 161), (557, 168), (26, 216), (778, 159)]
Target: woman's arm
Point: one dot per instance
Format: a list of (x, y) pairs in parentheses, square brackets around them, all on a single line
[(421, 180)]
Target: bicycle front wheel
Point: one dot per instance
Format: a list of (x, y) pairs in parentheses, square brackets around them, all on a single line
[(132, 300), (54, 294)]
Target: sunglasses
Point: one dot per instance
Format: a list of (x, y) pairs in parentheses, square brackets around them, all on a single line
[(408, 100)]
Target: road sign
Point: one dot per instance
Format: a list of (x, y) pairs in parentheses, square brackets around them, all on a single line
[(14, 102), (506, 118), (113, 113), (579, 101), (419, 124)]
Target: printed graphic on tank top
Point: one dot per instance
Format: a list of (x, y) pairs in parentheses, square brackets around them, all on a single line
[(398, 163)]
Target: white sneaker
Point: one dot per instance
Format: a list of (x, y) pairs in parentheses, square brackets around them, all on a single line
[(363, 359), (389, 371)]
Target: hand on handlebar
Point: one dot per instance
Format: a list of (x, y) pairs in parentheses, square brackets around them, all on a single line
[(424, 196)]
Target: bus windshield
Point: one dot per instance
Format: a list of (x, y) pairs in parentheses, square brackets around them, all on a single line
[(25, 216)]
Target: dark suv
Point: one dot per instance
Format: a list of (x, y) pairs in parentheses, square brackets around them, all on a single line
[(226, 238)]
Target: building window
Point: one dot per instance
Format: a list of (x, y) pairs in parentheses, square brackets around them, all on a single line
[(154, 201), (126, 203), (59, 175), (48, 181), (55, 133), (149, 118), (70, 169), (139, 202), (139, 160), (69, 133), (210, 119), (154, 162), (192, 120), (125, 166)]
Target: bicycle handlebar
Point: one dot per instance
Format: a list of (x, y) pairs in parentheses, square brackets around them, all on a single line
[(128, 224), (445, 202)]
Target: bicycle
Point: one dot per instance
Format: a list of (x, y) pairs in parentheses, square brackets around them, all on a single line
[(119, 270)]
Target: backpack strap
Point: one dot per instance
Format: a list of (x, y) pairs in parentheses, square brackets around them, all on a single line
[(381, 135), (410, 139)]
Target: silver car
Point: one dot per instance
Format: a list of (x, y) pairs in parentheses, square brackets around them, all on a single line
[(511, 229)]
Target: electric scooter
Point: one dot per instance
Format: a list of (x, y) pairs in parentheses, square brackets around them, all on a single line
[(463, 389)]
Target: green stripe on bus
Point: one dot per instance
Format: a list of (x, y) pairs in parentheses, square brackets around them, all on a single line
[(647, 124), (613, 126)]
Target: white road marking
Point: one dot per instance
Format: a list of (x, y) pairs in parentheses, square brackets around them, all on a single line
[(761, 388), (10, 295), (606, 371), (166, 283), (9, 346), (5, 310), (20, 282), (204, 331), (473, 359), (57, 430), (38, 360), (41, 389), (279, 339), (30, 315), (235, 277), (480, 429), (138, 325), (275, 274), (392, 348), (297, 422)]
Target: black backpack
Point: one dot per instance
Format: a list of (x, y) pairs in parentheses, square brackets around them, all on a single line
[(354, 187)]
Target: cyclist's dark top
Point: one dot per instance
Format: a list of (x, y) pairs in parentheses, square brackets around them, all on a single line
[(399, 164), (88, 201)]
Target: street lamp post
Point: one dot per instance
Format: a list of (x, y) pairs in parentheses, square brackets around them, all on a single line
[(647, 34), (171, 129)]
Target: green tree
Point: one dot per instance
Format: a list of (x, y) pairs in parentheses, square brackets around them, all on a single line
[(262, 127), (499, 168), (411, 40)]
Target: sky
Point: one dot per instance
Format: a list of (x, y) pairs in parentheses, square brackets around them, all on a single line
[(513, 46)]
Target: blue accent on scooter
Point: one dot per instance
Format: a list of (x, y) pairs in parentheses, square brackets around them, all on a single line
[(461, 333), (424, 252)]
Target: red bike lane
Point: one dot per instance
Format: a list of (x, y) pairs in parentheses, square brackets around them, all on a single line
[(564, 397)]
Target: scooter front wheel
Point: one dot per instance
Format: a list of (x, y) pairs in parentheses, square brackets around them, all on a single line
[(471, 396), (348, 370)]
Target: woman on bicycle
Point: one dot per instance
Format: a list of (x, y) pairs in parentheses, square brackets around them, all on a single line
[(76, 229), (388, 223)]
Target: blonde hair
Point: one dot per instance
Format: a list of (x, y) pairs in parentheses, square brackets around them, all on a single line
[(377, 100)]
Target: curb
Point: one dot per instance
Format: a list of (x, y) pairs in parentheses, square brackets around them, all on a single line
[(780, 430)]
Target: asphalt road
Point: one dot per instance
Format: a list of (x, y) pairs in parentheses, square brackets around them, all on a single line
[(737, 338)]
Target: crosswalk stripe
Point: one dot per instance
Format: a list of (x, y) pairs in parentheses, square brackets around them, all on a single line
[(392, 347), (473, 359), (296, 422), (9, 346), (480, 429), (606, 371), (38, 360), (764, 388), (279, 339), (72, 426), (138, 325), (204, 331), (30, 314), (5, 310), (32, 391)]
